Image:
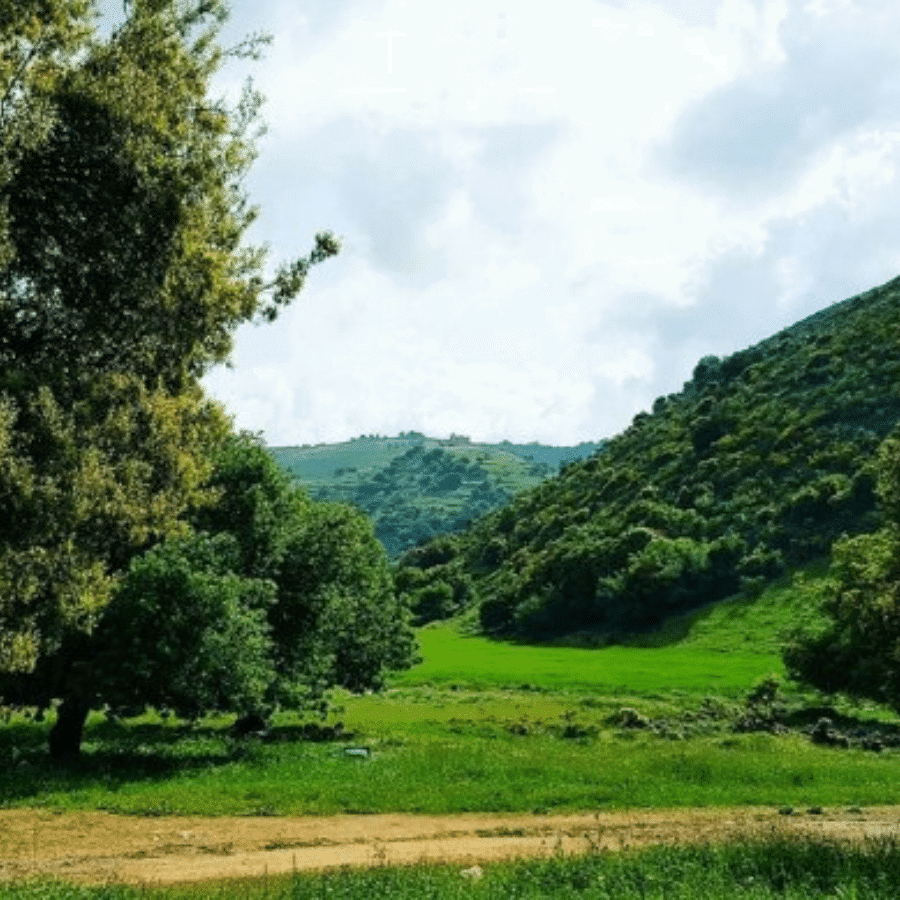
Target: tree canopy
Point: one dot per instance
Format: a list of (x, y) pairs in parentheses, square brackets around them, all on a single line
[(148, 555), (271, 601), (122, 279), (336, 619)]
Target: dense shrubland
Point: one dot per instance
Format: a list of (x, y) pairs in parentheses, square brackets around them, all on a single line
[(759, 464), (856, 647), (423, 492)]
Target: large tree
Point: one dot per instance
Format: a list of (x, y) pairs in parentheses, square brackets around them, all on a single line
[(272, 601), (122, 279)]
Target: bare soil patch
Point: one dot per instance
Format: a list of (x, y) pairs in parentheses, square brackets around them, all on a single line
[(98, 847)]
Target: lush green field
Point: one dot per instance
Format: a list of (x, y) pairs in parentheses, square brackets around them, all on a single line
[(719, 650), (757, 871), (481, 726), (451, 657)]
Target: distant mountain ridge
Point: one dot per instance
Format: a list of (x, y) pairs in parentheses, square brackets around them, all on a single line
[(757, 465), (414, 487)]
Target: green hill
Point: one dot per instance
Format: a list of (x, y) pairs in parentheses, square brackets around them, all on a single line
[(414, 487), (756, 466)]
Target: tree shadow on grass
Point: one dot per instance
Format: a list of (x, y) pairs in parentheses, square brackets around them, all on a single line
[(112, 757), (117, 754), (669, 633), (857, 725)]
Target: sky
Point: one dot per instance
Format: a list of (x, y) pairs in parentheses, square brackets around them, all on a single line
[(551, 212)]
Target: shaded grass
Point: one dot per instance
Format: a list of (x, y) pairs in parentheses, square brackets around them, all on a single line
[(759, 870), (758, 624), (455, 757)]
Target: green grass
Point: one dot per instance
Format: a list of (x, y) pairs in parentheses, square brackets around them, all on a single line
[(452, 760), (754, 625), (482, 726), (474, 766), (763, 870), (721, 649), (452, 657), (486, 726)]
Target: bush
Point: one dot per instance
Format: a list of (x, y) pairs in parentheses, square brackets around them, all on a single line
[(858, 651), (185, 632)]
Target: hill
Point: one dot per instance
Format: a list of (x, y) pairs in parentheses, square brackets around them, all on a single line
[(757, 465), (414, 487)]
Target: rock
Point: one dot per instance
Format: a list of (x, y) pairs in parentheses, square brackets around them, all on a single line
[(631, 718), (825, 733)]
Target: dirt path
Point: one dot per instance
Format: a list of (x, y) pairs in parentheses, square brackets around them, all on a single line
[(97, 847)]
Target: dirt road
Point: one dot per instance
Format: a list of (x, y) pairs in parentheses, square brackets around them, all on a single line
[(97, 847)]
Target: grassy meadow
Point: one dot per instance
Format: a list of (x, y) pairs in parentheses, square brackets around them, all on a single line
[(482, 726)]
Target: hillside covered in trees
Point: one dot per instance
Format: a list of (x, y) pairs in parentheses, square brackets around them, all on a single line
[(414, 487), (760, 462)]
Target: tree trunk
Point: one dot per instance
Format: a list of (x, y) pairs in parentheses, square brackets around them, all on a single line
[(65, 736)]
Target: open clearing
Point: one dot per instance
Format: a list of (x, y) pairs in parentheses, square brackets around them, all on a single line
[(98, 847), (535, 731)]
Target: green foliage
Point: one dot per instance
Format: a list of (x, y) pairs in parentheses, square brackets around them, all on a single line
[(253, 501), (414, 487), (83, 488), (272, 602), (335, 618), (338, 619), (858, 651), (757, 466), (122, 279), (128, 575), (184, 632)]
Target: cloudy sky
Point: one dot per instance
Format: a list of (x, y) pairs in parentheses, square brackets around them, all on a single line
[(550, 212)]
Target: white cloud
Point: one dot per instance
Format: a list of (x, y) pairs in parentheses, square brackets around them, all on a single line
[(550, 215), (753, 137)]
